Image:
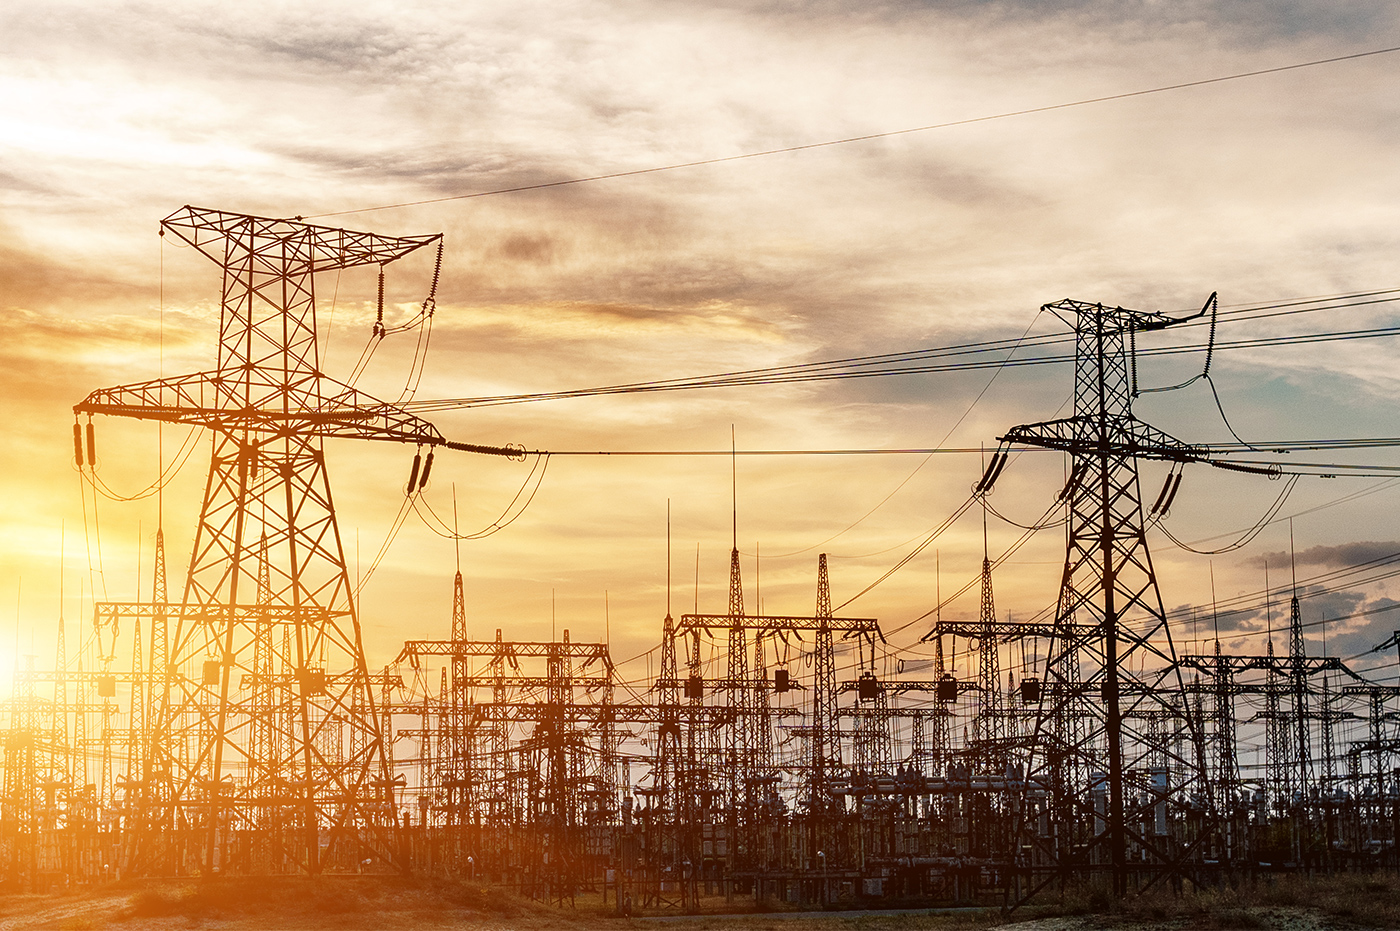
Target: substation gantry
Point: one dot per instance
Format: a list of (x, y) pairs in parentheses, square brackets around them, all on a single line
[(259, 742)]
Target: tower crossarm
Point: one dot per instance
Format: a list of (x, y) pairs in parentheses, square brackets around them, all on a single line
[(1074, 313), (1080, 436), (296, 246), (504, 649), (587, 684), (1308, 666), (1007, 630), (868, 627), (105, 612), (703, 716), (213, 399), (1372, 691), (1283, 665), (896, 686), (1130, 437), (764, 684), (885, 714)]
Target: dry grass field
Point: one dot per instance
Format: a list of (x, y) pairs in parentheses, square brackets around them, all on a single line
[(341, 904)]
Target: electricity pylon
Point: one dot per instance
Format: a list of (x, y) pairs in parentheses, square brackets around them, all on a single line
[(268, 610), (1119, 779)]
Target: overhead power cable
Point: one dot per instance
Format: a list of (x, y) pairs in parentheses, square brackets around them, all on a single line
[(1249, 535), (962, 357), (927, 459), (1276, 468), (1367, 572), (774, 452), (867, 137), (1029, 531)]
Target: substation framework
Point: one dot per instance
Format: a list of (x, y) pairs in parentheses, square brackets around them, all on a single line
[(235, 727)]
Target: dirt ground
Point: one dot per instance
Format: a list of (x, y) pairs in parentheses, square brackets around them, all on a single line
[(351, 903)]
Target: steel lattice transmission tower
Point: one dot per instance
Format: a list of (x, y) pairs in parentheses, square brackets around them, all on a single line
[(825, 741), (989, 726), (265, 653), (1118, 779)]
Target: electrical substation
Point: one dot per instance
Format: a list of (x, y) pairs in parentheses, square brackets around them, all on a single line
[(231, 725)]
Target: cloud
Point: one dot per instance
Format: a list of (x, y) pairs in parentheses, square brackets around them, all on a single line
[(1265, 189), (1359, 19), (30, 280), (1339, 556)]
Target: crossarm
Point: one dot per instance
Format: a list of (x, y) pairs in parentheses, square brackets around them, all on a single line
[(294, 246), (209, 399), (1069, 435)]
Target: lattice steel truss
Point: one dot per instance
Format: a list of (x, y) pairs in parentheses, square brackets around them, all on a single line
[(264, 711), (1116, 779), (989, 726)]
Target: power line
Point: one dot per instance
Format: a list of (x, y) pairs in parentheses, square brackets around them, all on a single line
[(1321, 469), (961, 357), (863, 138), (769, 452)]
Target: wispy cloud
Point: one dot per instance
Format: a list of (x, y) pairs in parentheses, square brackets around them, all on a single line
[(1331, 557), (115, 114)]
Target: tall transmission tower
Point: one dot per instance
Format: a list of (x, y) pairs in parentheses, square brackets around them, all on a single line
[(989, 726), (825, 741), (740, 732), (1298, 669), (1278, 737), (1113, 667), (267, 511)]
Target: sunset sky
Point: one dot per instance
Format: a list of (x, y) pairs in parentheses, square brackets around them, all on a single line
[(1264, 189)]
